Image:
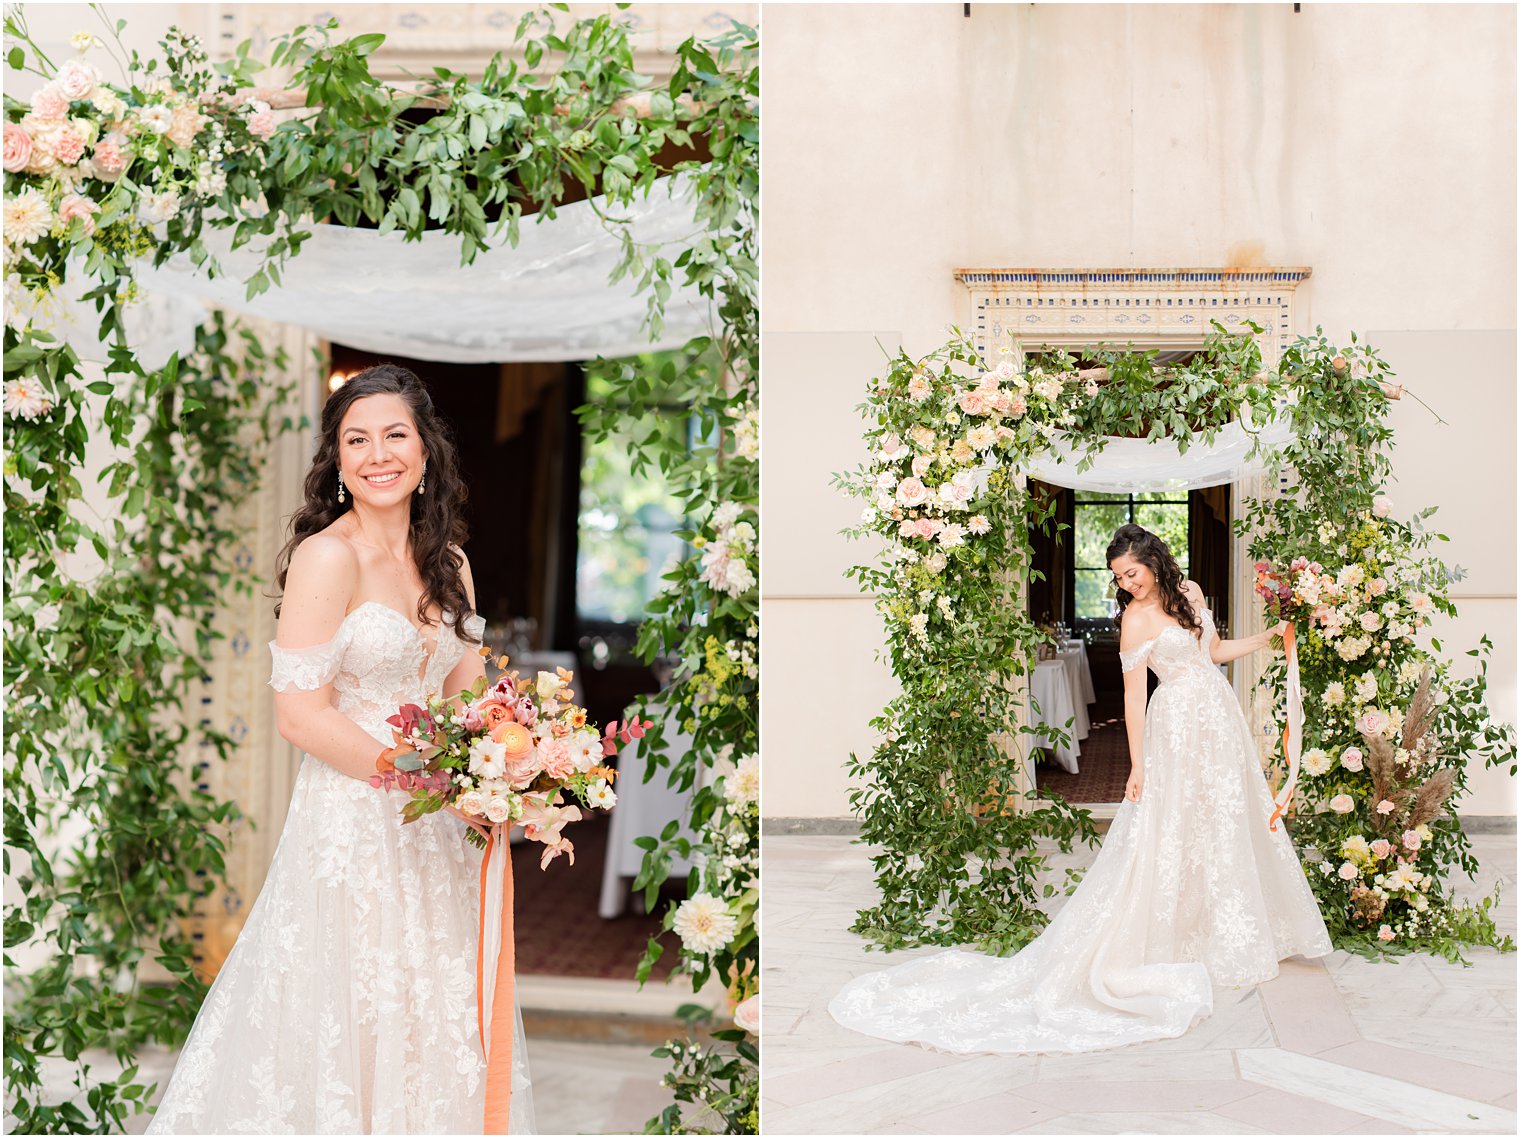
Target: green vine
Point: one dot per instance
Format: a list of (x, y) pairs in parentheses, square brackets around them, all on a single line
[(101, 176), (941, 795)]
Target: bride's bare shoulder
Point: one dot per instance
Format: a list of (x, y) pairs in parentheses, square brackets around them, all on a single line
[(327, 557), (1138, 626), (1194, 592)]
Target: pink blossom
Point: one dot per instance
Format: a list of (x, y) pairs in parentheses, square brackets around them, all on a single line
[(1004, 433), (1382, 506), (521, 770), (973, 403), (526, 713), (1372, 722), (912, 492), (1411, 840), (1348, 871), (18, 148), (50, 103), (109, 159), (907, 528), (890, 445), (921, 464), (1351, 759), (1262, 566), (1342, 804), (1017, 406), (1377, 587), (1385, 933), (76, 80), (68, 147), (919, 389), (1299, 563), (77, 205), (1385, 807), (558, 760), (262, 124), (999, 401), (928, 527), (747, 1016), (1381, 848)]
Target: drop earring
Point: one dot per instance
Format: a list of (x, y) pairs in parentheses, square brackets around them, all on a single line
[(341, 497), (422, 482)]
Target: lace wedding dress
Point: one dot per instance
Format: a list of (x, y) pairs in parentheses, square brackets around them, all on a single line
[(1191, 889), (347, 1005)]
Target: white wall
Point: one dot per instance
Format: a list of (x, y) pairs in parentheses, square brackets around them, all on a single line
[(1373, 144)]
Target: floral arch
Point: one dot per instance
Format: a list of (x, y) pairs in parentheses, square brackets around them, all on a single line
[(953, 436), (112, 831)]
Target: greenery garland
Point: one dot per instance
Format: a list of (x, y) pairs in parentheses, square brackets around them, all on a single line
[(949, 437), (100, 176)]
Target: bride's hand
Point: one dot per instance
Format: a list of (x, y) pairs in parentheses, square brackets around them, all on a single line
[(1135, 784), (479, 825)]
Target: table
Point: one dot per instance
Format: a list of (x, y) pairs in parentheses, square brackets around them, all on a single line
[(1050, 686), (643, 809), (1078, 647)]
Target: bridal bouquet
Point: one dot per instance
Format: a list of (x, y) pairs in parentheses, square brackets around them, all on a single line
[(505, 752)]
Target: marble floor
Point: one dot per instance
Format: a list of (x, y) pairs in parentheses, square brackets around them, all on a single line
[(1332, 1046)]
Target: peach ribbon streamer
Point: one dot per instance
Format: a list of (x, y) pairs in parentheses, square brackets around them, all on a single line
[(495, 969), (1293, 729)]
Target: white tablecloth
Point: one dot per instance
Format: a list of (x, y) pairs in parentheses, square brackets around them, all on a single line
[(643, 809), (1050, 685), (1078, 648)]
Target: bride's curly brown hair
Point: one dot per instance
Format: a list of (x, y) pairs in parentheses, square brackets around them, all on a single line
[(1148, 549), (437, 526)]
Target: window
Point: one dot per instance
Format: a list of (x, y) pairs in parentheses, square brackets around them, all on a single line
[(627, 522), (1095, 518)]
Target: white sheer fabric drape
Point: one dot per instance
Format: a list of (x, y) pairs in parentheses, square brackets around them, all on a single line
[(1141, 466), (546, 299)]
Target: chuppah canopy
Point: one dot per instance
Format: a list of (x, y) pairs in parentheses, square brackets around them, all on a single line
[(1143, 466), (546, 299)]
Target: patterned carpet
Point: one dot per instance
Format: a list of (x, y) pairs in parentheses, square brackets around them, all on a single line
[(558, 930), (1104, 763)]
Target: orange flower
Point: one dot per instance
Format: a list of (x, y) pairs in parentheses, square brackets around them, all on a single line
[(578, 719), (495, 713), (517, 739), (602, 772)]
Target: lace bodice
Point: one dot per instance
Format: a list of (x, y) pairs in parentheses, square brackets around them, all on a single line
[(376, 661), (1174, 650)]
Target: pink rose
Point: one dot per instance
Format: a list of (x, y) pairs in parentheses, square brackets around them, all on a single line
[(1004, 433), (18, 148), (1381, 848), (1385, 807), (1348, 871), (1411, 840), (1371, 622), (890, 445), (186, 125), (1377, 587), (77, 205), (747, 1016), (1351, 759), (68, 147), (1299, 563), (973, 403), (927, 527), (961, 493), (50, 103), (1385, 933), (522, 769), (1017, 406), (912, 492), (1372, 722), (498, 810), (109, 159), (262, 124), (907, 528), (921, 464), (1381, 506), (76, 80), (1342, 804)]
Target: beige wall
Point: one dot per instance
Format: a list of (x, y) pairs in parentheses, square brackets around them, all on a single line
[(1373, 144)]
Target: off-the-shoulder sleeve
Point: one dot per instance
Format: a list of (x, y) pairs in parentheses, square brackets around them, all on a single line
[(475, 628), (1129, 661), (305, 669)]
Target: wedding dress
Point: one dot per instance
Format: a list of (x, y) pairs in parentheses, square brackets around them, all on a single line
[(1190, 890), (348, 1004)]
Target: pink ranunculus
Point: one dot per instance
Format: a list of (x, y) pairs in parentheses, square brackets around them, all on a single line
[(1411, 840), (912, 492), (973, 403), (76, 79), (50, 103), (18, 148), (1351, 758), (1342, 804), (110, 160), (262, 124), (68, 147), (1381, 848), (77, 205), (1372, 722), (1385, 932)]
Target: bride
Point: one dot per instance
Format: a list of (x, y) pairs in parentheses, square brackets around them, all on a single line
[(1190, 890), (348, 1003)]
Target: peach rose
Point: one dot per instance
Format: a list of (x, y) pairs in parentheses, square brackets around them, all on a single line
[(973, 403), (921, 464), (890, 445), (747, 1016), (1342, 804), (1351, 759), (50, 103), (912, 492), (523, 769), (77, 205), (76, 80), (18, 148), (1381, 848)]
